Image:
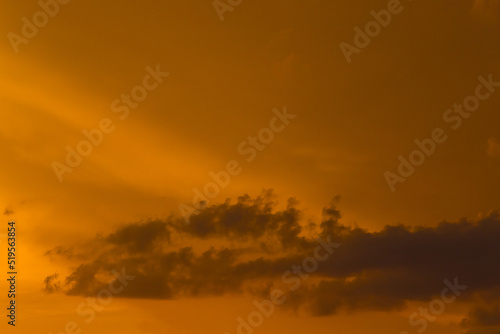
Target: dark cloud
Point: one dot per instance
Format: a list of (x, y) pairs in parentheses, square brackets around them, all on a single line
[(140, 238), (371, 271), (51, 283), (246, 219), (62, 251), (484, 318)]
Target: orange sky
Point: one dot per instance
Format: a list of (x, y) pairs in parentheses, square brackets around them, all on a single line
[(227, 80)]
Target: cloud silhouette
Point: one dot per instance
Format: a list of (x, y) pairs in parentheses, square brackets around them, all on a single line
[(251, 242)]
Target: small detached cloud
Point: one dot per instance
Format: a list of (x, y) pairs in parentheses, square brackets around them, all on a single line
[(51, 283), (8, 211)]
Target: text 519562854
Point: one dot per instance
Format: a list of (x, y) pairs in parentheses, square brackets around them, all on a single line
[(12, 272)]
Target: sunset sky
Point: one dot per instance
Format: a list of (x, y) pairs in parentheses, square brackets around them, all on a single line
[(390, 150)]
